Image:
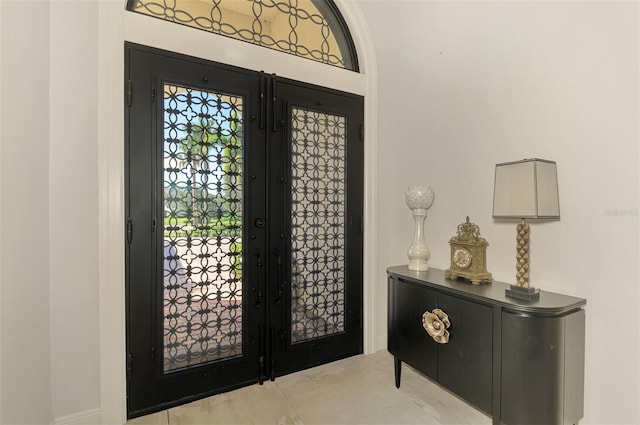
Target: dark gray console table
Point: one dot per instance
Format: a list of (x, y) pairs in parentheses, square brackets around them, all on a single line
[(522, 363)]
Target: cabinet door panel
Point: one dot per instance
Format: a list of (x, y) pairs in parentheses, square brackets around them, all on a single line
[(465, 362), (532, 369), (414, 346), (574, 367)]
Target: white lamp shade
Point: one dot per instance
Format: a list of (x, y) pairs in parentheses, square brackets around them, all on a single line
[(526, 189)]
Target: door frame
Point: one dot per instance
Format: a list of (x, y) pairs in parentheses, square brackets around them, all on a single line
[(115, 26), (267, 144)]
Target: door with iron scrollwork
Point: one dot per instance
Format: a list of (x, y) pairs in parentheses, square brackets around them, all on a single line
[(244, 210), (316, 200)]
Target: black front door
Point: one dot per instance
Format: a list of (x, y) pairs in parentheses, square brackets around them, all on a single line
[(244, 217)]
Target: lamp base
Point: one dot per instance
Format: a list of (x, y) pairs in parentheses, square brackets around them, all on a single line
[(522, 293)]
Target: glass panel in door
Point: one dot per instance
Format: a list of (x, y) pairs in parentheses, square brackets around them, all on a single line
[(202, 198), (318, 204)]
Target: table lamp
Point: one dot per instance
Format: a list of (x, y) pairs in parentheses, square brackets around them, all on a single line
[(526, 189)]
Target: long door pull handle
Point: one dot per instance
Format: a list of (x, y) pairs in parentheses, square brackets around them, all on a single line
[(259, 280), (263, 99), (278, 298), (274, 119)]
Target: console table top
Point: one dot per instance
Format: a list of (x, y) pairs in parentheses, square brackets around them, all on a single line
[(549, 304)]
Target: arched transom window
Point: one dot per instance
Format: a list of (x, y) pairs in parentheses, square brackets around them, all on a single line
[(312, 29)]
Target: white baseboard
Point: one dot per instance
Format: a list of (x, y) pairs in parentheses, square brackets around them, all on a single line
[(86, 417)]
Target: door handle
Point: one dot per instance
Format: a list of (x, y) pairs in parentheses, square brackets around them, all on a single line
[(436, 324), (259, 284), (280, 279), (259, 223), (274, 121)]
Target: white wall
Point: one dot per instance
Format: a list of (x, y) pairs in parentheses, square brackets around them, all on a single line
[(49, 225), (24, 200), (465, 85), (73, 207)]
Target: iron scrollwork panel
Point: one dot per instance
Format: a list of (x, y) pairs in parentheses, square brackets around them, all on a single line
[(202, 226), (318, 216), (310, 29)]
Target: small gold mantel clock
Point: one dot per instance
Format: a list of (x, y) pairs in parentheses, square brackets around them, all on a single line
[(468, 255)]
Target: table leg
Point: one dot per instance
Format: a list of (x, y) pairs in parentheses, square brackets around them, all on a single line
[(397, 366)]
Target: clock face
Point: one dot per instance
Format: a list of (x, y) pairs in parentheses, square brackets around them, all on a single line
[(462, 258)]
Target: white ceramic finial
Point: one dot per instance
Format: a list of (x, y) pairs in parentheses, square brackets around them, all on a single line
[(419, 199)]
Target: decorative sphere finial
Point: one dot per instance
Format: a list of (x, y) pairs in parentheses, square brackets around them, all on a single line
[(419, 197)]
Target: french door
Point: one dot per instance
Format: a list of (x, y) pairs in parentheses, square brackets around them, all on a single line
[(244, 227)]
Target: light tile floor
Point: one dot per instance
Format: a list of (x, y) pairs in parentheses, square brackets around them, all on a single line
[(357, 390)]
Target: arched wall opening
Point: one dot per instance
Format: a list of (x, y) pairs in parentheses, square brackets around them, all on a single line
[(117, 26)]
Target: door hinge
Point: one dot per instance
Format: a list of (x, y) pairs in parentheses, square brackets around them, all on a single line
[(153, 225), (153, 354), (129, 364), (129, 93), (129, 231), (153, 94), (362, 132)]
